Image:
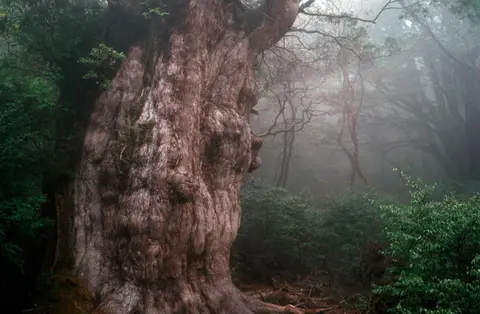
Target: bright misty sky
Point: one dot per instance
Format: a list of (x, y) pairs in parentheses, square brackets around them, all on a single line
[(364, 8), (360, 7)]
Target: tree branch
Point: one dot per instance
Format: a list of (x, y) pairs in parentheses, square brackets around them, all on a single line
[(344, 16), (305, 5), (434, 37), (270, 22)]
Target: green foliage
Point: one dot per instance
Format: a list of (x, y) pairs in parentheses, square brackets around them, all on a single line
[(285, 233), (350, 221), (278, 231), (434, 242), (27, 110), (41, 43), (436, 248), (60, 32), (155, 12), (47, 48), (102, 61)]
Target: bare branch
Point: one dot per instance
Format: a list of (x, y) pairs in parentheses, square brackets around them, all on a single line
[(335, 38), (305, 5), (346, 16), (294, 97), (270, 22)]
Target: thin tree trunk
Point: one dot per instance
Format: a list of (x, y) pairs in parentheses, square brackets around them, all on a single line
[(284, 160), (349, 120), (288, 145), (291, 142), (157, 190), (288, 140)]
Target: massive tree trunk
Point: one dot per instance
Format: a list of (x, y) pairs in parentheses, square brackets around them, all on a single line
[(157, 191)]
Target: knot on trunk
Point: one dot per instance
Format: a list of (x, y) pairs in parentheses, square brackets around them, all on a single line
[(256, 161), (255, 164), (183, 185)]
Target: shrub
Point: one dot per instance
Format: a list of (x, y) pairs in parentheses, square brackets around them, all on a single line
[(350, 221), (279, 232), (436, 248), (433, 242), (285, 233), (26, 146)]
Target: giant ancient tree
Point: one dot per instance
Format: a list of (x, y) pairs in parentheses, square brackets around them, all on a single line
[(156, 196)]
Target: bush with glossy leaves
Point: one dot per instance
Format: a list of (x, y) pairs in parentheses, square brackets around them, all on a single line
[(436, 248)]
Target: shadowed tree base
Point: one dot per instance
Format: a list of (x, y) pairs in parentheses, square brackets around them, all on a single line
[(194, 298)]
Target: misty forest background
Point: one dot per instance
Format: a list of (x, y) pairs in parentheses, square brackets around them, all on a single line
[(370, 115)]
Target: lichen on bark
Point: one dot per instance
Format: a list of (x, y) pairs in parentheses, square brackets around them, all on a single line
[(155, 215)]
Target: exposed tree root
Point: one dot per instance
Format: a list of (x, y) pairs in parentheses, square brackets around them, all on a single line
[(128, 300), (257, 306), (122, 300), (263, 307), (308, 294)]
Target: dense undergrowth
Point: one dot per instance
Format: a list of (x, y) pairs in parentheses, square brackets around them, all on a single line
[(429, 247), (285, 233), (26, 150)]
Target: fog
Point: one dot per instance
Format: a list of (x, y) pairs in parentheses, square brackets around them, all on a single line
[(346, 100)]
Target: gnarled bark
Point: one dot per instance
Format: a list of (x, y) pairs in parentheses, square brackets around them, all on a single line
[(157, 191)]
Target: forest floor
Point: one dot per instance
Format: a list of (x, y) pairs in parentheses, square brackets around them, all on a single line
[(312, 294), (315, 293)]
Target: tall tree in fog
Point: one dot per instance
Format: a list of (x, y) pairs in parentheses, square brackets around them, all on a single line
[(437, 106)]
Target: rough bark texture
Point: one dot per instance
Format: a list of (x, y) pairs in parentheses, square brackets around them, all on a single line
[(157, 191)]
